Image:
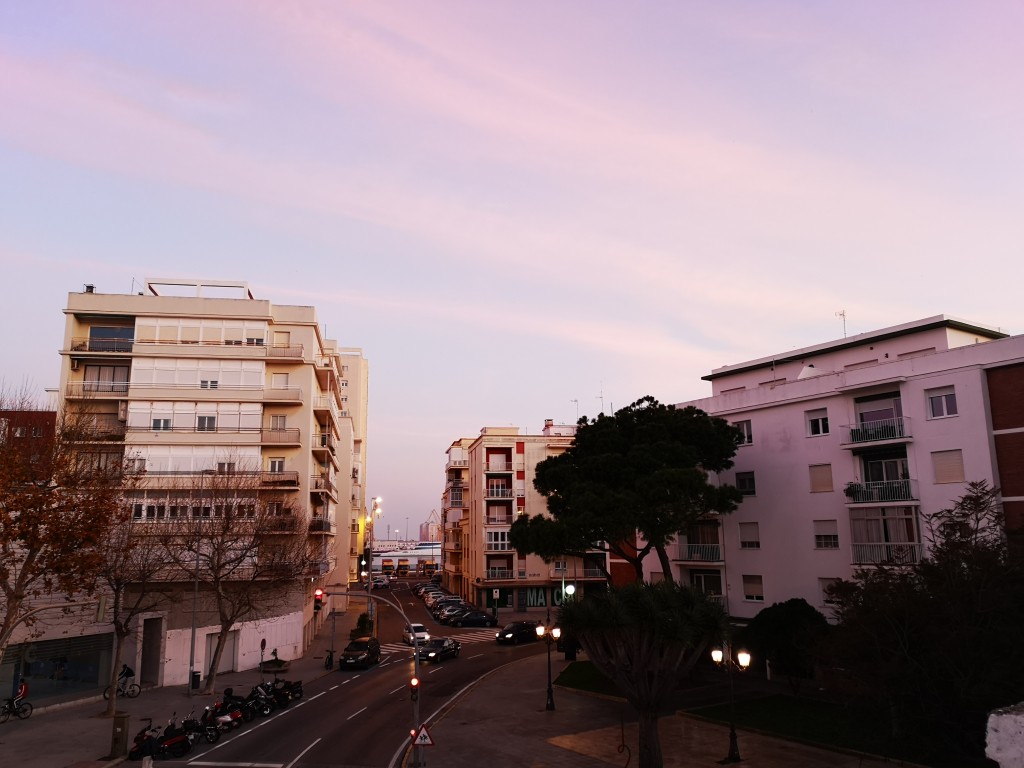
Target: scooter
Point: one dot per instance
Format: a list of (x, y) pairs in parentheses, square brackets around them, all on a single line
[(199, 729), (292, 687), (173, 742)]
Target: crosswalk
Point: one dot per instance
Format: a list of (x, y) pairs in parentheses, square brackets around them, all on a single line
[(465, 637)]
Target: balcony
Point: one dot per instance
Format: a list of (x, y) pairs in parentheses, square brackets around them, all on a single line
[(700, 553), (499, 492), (321, 483), (232, 348), (497, 546), (876, 431), (288, 436), (457, 463), (500, 573), (881, 492), (322, 525), (96, 390), (498, 465), (575, 574), (280, 479), (906, 553), (92, 344), (323, 441), (498, 520)]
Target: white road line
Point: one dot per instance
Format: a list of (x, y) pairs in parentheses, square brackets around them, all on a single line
[(299, 756), (333, 687), (399, 688), (240, 765), (477, 656), (355, 713)]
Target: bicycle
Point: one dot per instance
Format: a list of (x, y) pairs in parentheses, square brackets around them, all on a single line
[(21, 708), (124, 687)]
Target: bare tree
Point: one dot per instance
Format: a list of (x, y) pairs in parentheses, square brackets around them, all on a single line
[(56, 507), (134, 559), (244, 547)]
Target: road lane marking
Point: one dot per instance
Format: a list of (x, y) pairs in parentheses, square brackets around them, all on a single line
[(399, 688), (355, 713), (299, 756)]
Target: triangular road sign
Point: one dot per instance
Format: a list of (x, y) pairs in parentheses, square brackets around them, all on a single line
[(423, 738)]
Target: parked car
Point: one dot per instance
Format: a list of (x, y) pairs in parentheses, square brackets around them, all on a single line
[(442, 605), (517, 632), (415, 632), (362, 652), (381, 582), (449, 609), (439, 649), (473, 619)]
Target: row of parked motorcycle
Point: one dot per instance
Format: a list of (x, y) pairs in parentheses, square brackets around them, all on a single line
[(224, 715)]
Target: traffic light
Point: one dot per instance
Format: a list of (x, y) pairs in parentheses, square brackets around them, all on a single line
[(414, 689), (318, 600)]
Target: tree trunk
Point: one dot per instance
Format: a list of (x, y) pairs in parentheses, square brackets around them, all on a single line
[(115, 672), (666, 564), (650, 741), (211, 675)]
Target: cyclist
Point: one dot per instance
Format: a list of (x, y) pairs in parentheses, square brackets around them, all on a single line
[(22, 692), (126, 673)]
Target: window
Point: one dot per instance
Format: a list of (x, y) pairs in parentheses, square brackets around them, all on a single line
[(826, 534), (106, 378), (276, 465), (748, 434), (206, 424), (817, 422), (278, 422), (561, 566), (948, 466), (275, 508), (750, 538), (279, 380), (745, 483), (254, 341), (343, 382), (161, 425), (753, 588), (137, 511), (821, 478), (823, 586), (498, 540), (225, 467), (941, 403), (885, 535), (208, 383)]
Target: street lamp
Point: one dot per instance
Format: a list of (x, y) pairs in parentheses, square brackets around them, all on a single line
[(195, 583), (740, 663), (549, 635)]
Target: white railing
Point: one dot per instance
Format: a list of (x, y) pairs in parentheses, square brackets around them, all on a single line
[(887, 553), (882, 429)]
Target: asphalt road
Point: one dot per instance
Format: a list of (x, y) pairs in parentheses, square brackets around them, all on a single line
[(362, 718)]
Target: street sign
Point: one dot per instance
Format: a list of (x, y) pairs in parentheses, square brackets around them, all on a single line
[(496, 593), (423, 738)]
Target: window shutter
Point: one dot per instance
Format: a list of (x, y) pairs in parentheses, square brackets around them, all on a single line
[(821, 478)]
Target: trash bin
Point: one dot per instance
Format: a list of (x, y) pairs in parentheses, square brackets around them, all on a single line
[(195, 681), (119, 736)]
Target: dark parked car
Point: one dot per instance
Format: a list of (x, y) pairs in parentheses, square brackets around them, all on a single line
[(473, 619), (517, 632), (439, 649), (361, 652)]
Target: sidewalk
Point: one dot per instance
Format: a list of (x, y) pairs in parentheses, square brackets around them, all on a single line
[(499, 721)]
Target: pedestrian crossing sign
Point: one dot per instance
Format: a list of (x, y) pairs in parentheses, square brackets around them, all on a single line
[(423, 738)]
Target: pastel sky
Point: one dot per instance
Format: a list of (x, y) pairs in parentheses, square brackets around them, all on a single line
[(518, 210)]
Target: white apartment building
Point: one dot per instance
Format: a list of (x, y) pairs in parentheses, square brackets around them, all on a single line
[(488, 484), (186, 379), (848, 443)]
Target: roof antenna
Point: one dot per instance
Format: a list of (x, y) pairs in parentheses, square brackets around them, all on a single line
[(577, 408), (842, 313), (601, 397)]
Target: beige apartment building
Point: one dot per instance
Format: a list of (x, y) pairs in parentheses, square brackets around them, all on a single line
[(488, 484), (200, 382)]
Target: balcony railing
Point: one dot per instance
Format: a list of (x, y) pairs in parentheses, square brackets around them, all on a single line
[(289, 478), (287, 435), (499, 520), (96, 389), (81, 344), (500, 573), (94, 344), (498, 466), (458, 462), (323, 440), (882, 491), (888, 554), (700, 552), (883, 429), (321, 525), (321, 483), (571, 574), (499, 492)]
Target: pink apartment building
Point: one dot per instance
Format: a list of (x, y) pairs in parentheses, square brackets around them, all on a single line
[(847, 444)]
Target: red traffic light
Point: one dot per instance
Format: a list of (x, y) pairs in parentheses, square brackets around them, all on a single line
[(318, 593), (318, 600), (414, 689)]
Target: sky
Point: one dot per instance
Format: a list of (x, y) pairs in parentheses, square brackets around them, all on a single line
[(519, 211)]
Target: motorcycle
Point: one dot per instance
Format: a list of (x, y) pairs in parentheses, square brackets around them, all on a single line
[(199, 729), (260, 701), (292, 687), (174, 742), (232, 703)]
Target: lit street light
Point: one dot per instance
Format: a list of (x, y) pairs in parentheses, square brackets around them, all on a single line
[(549, 635), (741, 662)]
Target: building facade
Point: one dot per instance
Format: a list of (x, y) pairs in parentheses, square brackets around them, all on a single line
[(199, 383), (849, 445), (488, 484)]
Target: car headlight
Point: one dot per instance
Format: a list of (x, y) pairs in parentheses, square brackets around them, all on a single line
[(431, 654)]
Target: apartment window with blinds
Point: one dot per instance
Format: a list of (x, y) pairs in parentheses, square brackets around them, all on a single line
[(750, 537), (948, 466), (745, 483), (278, 422), (821, 478), (941, 403), (826, 534), (206, 424), (753, 588), (748, 433), (817, 422)]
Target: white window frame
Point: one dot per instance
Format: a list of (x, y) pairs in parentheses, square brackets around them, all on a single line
[(817, 420), (206, 423), (747, 429), (942, 403), (750, 536), (826, 534), (753, 588)]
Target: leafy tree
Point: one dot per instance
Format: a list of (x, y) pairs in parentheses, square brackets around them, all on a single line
[(56, 506), (245, 549), (787, 635), (643, 470), (934, 646), (645, 638)]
